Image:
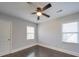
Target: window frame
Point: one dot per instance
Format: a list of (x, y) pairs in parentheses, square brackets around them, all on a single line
[(71, 33), (27, 33)]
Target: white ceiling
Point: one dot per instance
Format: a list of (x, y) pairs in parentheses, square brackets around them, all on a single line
[(23, 10)]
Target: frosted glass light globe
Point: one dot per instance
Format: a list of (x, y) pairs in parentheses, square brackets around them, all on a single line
[(39, 13)]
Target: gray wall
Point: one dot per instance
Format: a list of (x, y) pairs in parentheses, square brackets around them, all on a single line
[(50, 33), (19, 31)]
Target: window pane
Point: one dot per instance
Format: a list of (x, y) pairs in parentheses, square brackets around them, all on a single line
[(30, 32), (30, 36), (70, 27), (30, 29), (70, 37)]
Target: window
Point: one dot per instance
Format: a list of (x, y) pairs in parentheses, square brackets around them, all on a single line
[(30, 32), (70, 32)]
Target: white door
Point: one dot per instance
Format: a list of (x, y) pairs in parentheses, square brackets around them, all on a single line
[(5, 37)]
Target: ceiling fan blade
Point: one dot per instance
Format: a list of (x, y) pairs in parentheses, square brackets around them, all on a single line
[(34, 13), (38, 17), (47, 6), (45, 15)]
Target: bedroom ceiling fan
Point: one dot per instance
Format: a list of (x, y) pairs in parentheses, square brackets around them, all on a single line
[(39, 11)]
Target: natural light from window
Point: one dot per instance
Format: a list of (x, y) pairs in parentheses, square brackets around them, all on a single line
[(70, 32), (30, 32)]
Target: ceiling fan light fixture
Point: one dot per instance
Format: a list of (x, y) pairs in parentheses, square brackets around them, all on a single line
[(39, 13)]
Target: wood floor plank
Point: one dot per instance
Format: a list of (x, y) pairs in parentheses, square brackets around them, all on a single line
[(38, 51)]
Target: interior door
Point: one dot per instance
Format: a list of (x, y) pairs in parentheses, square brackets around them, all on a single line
[(5, 37)]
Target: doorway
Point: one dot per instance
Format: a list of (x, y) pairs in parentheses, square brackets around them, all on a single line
[(5, 37)]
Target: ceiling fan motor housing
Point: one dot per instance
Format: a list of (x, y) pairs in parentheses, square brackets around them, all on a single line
[(39, 9)]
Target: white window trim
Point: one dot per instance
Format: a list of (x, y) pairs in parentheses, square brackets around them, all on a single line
[(69, 33), (30, 33)]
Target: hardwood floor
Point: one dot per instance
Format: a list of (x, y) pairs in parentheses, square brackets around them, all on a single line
[(38, 51)]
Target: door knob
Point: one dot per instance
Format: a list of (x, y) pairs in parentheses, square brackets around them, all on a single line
[(8, 39)]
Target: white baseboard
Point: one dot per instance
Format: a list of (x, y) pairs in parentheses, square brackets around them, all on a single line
[(59, 49), (19, 49), (47, 46)]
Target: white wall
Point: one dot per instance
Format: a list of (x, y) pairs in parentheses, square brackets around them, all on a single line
[(19, 31), (50, 33)]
